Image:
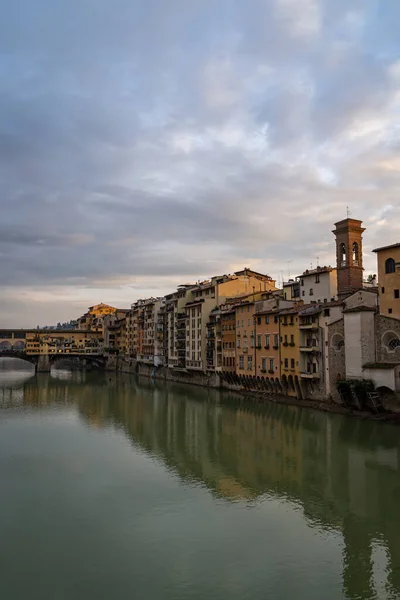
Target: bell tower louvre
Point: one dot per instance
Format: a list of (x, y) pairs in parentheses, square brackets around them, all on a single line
[(349, 256)]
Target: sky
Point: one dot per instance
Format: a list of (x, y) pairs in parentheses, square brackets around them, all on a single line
[(147, 144)]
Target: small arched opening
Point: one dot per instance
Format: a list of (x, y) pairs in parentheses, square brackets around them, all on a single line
[(390, 265), (355, 254), (342, 255)]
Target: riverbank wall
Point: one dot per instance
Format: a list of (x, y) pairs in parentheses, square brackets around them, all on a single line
[(131, 366), (251, 389)]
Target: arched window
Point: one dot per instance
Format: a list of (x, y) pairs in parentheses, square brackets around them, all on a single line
[(394, 343), (390, 266), (343, 255), (391, 341), (355, 254), (337, 342)]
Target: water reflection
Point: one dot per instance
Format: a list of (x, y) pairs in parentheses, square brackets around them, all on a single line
[(342, 473)]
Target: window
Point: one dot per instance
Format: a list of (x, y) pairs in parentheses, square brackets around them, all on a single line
[(238, 343), (259, 341), (327, 312), (342, 255), (267, 340), (311, 292), (267, 320), (276, 340), (276, 319), (238, 323), (292, 363), (248, 308), (317, 278), (241, 362), (292, 339), (303, 293), (291, 320), (252, 341), (302, 282), (286, 339), (263, 364), (258, 320), (383, 290), (390, 266), (390, 311), (271, 364), (249, 363), (396, 293), (355, 254), (286, 363), (245, 342), (393, 344)]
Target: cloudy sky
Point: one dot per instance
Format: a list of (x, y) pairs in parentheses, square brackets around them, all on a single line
[(144, 144)]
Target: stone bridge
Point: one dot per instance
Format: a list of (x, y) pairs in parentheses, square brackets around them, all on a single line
[(42, 348)]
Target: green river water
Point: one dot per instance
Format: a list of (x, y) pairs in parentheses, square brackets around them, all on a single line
[(115, 488)]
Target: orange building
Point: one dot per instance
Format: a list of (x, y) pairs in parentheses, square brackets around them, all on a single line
[(267, 334), (228, 339), (245, 340)]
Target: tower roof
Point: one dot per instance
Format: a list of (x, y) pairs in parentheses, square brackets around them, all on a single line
[(348, 224)]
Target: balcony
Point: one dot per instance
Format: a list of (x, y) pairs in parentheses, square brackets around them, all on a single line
[(309, 375), (271, 371), (310, 346), (245, 350), (309, 326), (275, 347)]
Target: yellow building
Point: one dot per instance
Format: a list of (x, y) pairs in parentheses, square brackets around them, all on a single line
[(64, 342), (93, 319), (389, 280), (290, 348)]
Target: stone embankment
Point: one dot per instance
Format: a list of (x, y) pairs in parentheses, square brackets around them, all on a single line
[(120, 365)]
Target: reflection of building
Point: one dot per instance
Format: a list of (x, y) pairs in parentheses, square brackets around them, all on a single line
[(342, 474)]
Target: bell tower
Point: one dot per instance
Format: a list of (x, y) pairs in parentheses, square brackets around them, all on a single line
[(349, 262)]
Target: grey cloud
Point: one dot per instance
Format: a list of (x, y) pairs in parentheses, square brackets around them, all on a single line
[(177, 138)]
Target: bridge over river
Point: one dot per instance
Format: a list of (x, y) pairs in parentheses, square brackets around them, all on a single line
[(44, 347)]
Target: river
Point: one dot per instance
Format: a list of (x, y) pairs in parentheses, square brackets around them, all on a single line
[(113, 487)]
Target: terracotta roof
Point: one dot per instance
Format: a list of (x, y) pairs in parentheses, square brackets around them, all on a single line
[(361, 308), (289, 311), (316, 271), (387, 247), (270, 311)]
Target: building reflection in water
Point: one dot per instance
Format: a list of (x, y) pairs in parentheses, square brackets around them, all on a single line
[(344, 473)]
